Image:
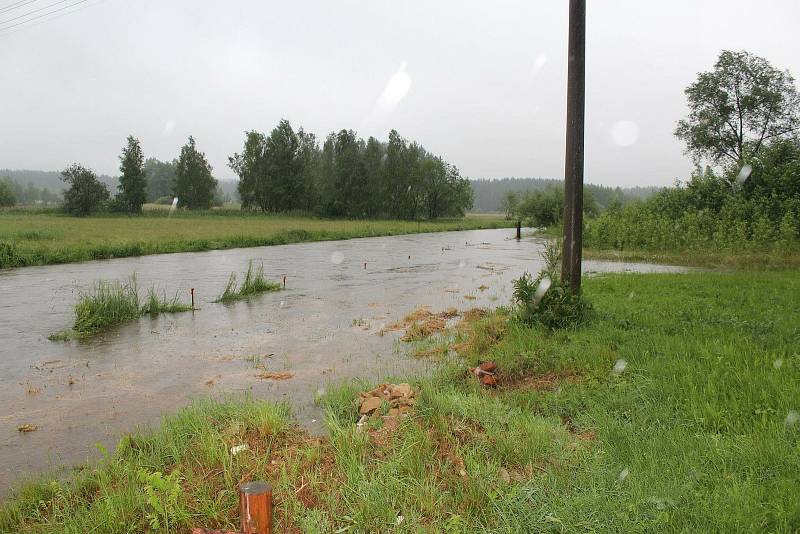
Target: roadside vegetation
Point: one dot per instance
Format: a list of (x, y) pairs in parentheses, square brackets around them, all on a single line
[(111, 304), (673, 408), (49, 238), (741, 209), (254, 283)]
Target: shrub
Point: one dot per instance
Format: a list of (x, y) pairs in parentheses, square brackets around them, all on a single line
[(546, 300)]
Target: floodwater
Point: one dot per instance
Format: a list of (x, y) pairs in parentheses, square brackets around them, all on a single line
[(322, 328)]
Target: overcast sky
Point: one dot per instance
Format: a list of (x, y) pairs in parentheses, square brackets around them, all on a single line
[(481, 83)]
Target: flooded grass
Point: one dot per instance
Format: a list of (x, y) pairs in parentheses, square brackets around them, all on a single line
[(695, 431), (29, 237), (113, 303), (109, 304), (254, 283), (155, 304)]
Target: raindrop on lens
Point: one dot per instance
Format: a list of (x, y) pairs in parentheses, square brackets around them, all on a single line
[(623, 475), (541, 289), (777, 363), (620, 366), (792, 417), (337, 258), (624, 133), (744, 174)]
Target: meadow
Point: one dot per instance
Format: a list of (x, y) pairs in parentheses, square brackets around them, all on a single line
[(673, 408), (29, 237)]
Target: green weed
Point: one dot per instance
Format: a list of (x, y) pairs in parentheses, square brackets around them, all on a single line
[(254, 283)]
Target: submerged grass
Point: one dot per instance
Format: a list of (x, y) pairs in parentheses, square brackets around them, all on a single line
[(673, 409), (110, 304), (155, 305), (42, 238), (254, 283)]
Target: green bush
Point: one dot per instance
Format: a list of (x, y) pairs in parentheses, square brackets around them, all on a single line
[(546, 300)]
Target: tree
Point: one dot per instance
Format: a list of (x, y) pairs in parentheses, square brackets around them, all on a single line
[(271, 169), (737, 108), (194, 184), (350, 193), (309, 155), (133, 181), (285, 166), (85, 193), (7, 197), (160, 178), (510, 203), (255, 185)]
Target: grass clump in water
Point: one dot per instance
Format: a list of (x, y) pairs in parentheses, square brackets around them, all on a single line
[(254, 283), (110, 304), (114, 303), (155, 305)]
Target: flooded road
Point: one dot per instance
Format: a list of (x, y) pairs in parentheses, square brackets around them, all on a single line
[(322, 328)]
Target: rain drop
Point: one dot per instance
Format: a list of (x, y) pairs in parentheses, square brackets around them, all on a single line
[(624, 133), (337, 258), (541, 289), (744, 174), (623, 475), (777, 363), (619, 366), (792, 417)]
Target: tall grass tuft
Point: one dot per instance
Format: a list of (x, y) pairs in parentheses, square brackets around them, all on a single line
[(110, 304), (254, 283), (154, 305), (114, 303)]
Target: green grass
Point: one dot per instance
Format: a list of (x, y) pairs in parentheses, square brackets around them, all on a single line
[(693, 435), (43, 238), (769, 256), (111, 304), (254, 283), (155, 305)]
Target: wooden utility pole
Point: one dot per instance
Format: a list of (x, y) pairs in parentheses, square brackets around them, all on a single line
[(573, 168)]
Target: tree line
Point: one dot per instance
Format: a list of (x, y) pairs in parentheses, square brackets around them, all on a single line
[(192, 184), (286, 171), (347, 176)]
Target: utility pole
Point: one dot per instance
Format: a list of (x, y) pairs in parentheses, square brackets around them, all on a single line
[(573, 168)]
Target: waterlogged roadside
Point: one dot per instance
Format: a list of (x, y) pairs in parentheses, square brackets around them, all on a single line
[(628, 423), (321, 329)]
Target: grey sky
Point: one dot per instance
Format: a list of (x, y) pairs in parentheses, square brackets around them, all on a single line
[(481, 83)]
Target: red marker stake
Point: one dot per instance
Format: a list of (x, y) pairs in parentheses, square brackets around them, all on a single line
[(284, 282), (192, 291)]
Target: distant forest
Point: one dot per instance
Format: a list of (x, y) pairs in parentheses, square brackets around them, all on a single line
[(32, 187), (489, 194)]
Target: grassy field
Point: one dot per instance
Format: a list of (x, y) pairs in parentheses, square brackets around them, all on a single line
[(709, 256), (42, 238), (673, 409)]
